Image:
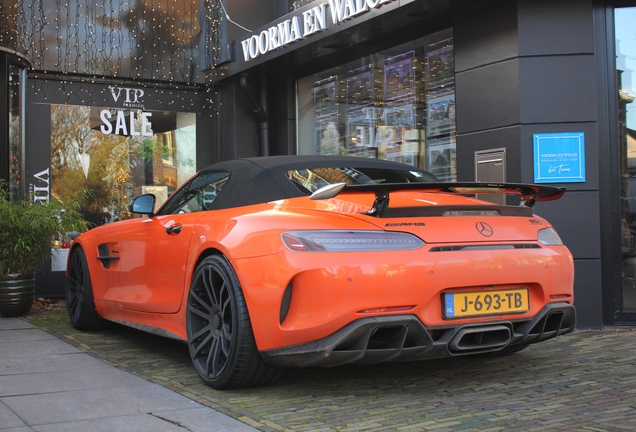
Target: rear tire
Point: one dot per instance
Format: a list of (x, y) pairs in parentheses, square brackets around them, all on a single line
[(220, 337), (80, 304)]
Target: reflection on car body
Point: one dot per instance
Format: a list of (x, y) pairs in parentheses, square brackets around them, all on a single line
[(267, 263)]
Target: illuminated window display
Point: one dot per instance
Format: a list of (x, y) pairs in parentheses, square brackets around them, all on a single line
[(398, 104), (116, 154)]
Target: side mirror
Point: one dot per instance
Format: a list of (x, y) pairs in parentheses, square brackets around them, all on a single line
[(144, 204)]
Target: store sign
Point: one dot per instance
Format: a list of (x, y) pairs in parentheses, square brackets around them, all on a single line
[(126, 122), (559, 157), (131, 97), (133, 126), (40, 190), (307, 23)]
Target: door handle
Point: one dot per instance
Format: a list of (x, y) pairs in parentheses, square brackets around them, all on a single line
[(174, 229)]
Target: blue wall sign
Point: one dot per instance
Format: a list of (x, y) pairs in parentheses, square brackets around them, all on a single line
[(559, 157)]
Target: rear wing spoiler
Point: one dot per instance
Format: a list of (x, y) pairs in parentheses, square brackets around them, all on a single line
[(529, 193)]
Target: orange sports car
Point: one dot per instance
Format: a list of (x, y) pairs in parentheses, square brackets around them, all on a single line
[(266, 263)]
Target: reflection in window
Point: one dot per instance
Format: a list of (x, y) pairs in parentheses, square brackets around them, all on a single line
[(165, 142), (16, 134), (398, 105), (117, 154), (198, 195), (625, 67), (311, 179)]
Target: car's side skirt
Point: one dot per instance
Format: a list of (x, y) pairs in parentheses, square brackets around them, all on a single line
[(149, 329)]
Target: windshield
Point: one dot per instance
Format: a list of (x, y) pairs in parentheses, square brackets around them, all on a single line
[(311, 179)]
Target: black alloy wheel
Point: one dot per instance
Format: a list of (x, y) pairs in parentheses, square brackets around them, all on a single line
[(220, 337), (80, 304)]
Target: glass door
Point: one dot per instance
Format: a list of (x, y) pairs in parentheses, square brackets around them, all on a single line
[(625, 39), (12, 126)]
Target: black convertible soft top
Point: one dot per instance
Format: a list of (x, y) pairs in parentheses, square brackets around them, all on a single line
[(263, 179)]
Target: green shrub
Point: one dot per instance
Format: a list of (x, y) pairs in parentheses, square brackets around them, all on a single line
[(26, 231)]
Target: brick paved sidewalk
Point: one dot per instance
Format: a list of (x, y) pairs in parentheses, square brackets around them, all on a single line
[(582, 381)]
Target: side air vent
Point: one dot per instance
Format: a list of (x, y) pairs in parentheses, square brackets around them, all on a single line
[(104, 255), (285, 303)]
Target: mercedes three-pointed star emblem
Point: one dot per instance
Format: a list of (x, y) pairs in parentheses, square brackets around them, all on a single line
[(484, 229)]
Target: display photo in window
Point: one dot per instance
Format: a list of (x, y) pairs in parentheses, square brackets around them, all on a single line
[(114, 160)]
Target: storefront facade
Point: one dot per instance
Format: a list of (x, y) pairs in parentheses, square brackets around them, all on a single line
[(104, 103), (516, 91), (119, 142), (495, 90)]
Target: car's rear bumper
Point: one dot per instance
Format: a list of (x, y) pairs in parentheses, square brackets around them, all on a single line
[(405, 338)]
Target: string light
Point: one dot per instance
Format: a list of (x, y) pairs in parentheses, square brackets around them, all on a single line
[(150, 44)]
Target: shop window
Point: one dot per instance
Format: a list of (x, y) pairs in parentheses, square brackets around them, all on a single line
[(167, 147), (118, 154), (625, 66), (398, 104), (16, 131)]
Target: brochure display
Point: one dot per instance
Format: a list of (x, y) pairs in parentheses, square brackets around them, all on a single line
[(325, 97), (440, 117), (442, 158), (403, 116), (441, 113), (363, 95), (402, 77), (361, 88), (440, 65), (397, 105), (361, 128)]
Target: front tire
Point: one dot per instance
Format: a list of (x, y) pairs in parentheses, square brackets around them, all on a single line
[(80, 303), (220, 337)]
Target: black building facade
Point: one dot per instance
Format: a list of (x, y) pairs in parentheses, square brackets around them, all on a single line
[(466, 89), (496, 90)]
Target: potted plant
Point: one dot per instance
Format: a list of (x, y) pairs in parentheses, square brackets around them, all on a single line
[(26, 232)]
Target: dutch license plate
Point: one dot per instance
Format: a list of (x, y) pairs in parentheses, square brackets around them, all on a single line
[(459, 305)]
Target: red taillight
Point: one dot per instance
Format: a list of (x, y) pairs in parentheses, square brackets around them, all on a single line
[(560, 296)]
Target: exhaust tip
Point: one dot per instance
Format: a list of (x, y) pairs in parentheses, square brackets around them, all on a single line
[(480, 338)]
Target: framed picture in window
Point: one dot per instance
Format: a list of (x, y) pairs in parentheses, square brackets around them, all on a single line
[(325, 98), (442, 158), (360, 87), (402, 76), (441, 113), (440, 64)]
